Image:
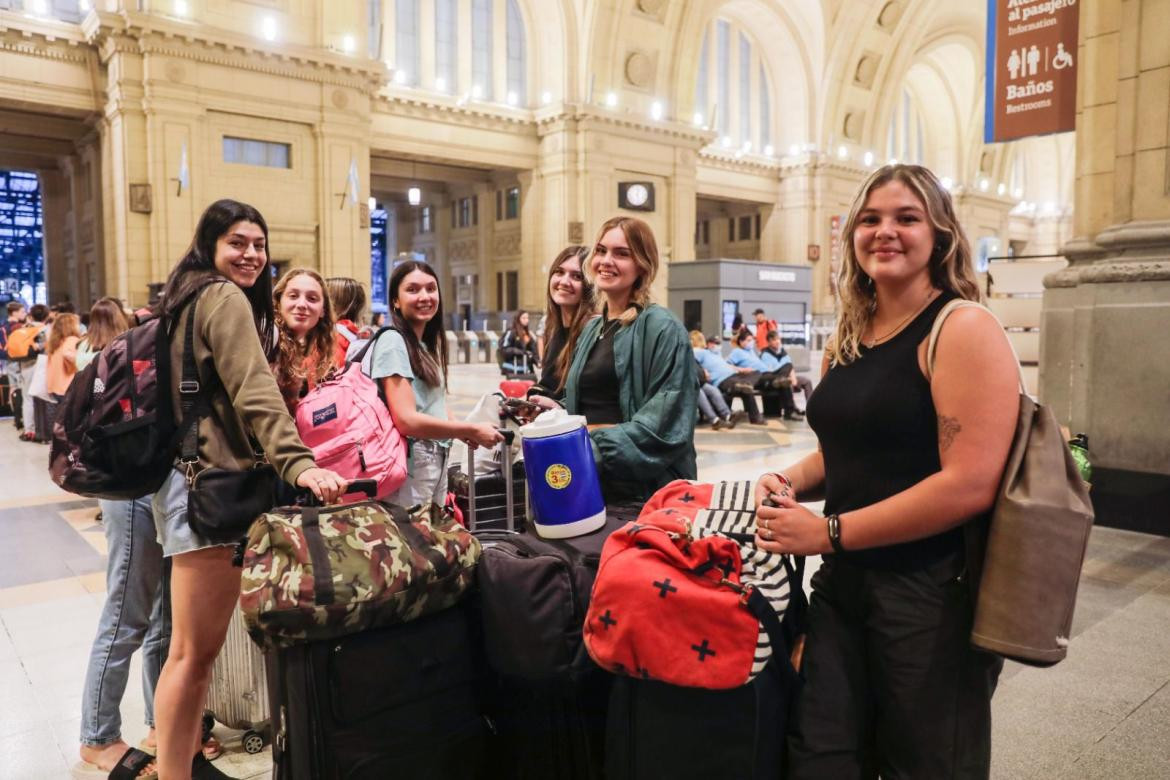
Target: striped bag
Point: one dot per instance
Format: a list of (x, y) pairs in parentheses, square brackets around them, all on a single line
[(683, 596)]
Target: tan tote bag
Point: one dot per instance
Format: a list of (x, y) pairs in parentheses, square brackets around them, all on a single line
[(1036, 542)]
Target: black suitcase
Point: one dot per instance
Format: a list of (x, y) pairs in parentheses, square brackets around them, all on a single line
[(657, 730), (547, 699), (43, 413), (736, 733), (402, 702)]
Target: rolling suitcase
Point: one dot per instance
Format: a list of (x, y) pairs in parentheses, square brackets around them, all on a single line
[(402, 701), (493, 501), (238, 694), (735, 732), (547, 699)]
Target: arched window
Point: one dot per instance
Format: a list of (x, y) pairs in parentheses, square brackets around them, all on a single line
[(906, 136), (492, 65), (732, 89), (517, 59)]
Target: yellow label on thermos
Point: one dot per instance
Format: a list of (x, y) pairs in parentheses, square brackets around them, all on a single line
[(558, 476)]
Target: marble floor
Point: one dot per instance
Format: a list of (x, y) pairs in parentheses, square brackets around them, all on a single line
[(1102, 713)]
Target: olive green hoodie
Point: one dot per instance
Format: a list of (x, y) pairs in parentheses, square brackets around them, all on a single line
[(244, 395)]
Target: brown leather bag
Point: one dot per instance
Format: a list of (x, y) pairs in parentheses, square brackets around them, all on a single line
[(1035, 545)]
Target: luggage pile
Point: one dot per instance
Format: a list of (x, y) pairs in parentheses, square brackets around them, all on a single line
[(401, 643)]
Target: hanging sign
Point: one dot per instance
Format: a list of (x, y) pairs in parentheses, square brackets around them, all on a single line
[(1031, 68)]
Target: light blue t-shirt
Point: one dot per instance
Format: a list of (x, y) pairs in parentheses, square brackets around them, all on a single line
[(746, 358), (716, 367), (772, 362), (390, 358)]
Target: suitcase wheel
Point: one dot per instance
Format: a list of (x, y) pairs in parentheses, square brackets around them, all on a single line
[(252, 741)]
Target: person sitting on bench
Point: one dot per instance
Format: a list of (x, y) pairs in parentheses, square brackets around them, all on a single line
[(768, 382), (732, 382), (776, 358)]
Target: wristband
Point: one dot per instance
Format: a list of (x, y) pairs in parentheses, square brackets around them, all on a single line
[(783, 479), (834, 526)]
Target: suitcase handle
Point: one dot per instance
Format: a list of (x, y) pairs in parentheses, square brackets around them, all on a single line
[(509, 437), (367, 486)]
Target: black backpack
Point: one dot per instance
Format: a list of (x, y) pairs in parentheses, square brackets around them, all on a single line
[(115, 435)]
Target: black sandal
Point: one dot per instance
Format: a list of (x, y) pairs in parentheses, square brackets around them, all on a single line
[(130, 765), (202, 769)]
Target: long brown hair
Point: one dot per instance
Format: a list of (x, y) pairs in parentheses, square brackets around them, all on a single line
[(552, 318), (197, 267), (347, 296), (64, 326), (429, 365), (296, 363), (951, 269), (106, 322), (644, 250)]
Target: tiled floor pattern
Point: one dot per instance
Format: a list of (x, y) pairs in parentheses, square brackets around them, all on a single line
[(1103, 713)]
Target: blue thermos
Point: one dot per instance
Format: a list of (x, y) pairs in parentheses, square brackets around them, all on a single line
[(562, 478)]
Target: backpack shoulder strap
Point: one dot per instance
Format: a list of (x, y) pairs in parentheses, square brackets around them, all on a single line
[(361, 356), (194, 400), (936, 329)]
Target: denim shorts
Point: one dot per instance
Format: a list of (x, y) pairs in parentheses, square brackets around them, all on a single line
[(426, 479), (170, 518)]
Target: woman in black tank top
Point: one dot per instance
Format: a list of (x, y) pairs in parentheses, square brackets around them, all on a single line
[(905, 465)]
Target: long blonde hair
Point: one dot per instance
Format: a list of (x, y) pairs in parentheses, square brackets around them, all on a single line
[(951, 268), (295, 364), (644, 250)]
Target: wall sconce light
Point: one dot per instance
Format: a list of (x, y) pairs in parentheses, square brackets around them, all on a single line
[(414, 196)]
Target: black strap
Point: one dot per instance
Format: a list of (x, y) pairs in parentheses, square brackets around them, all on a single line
[(360, 356), (319, 556), (193, 399), (759, 606)]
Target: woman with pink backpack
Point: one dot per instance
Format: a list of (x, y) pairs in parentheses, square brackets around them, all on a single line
[(338, 411)]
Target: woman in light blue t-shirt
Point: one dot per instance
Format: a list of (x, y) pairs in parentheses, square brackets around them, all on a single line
[(410, 362)]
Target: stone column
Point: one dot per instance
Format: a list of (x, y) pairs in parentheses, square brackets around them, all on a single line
[(129, 265), (1104, 358)]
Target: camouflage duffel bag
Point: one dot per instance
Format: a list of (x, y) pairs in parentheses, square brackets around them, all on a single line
[(323, 572)]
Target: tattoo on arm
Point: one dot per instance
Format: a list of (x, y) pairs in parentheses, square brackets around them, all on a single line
[(948, 428)]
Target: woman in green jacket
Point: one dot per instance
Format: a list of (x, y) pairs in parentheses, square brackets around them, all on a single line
[(633, 373)]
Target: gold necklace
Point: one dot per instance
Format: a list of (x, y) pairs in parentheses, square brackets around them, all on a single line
[(874, 342)]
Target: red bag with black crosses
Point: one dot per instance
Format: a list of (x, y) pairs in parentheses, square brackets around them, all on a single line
[(683, 597)]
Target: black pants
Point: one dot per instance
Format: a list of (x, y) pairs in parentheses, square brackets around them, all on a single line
[(892, 684), (743, 386)]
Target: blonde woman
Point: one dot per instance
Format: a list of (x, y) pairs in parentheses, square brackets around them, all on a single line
[(907, 467), (633, 373)]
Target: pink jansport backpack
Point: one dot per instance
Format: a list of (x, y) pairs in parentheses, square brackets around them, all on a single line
[(347, 425)]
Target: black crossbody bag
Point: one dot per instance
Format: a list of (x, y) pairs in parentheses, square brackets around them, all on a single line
[(221, 503)]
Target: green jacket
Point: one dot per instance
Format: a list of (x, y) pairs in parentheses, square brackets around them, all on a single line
[(655, 366)]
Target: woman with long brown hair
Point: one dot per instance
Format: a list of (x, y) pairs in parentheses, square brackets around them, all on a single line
[(106, 321), (305, 349), (908, 462), (518, 347), (223, 287), (641, 418), (569, 306), (410, 363)]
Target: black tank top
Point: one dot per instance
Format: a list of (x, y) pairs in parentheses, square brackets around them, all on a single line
[(878, 429)]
